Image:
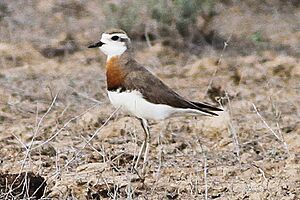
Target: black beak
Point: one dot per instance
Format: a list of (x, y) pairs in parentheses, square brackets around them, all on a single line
[(98, 44)]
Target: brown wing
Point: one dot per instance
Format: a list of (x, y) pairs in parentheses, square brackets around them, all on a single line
[(155, 91)]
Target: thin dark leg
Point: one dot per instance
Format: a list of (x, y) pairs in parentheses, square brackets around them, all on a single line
[(147, 142), (140, 154), (145, 145)]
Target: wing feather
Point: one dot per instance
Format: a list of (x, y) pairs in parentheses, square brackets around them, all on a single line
[(155, 91)]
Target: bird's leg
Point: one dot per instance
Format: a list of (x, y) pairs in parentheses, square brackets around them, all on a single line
[(142, 149), (139, 156), (146, 141), (145, 145)]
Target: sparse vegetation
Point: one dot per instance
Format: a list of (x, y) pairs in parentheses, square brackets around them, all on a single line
[(58, 130), (256, 37), (177, 19)]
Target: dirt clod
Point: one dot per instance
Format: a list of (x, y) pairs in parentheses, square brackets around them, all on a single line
[(24, 185)]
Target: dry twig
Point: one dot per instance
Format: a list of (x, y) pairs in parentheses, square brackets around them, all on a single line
[(226, 43), (271, 130)]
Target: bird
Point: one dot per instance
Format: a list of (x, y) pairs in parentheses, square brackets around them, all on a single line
[(132, 87)]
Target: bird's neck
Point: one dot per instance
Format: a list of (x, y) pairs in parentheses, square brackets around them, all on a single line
[(114, 73), (127, 53)]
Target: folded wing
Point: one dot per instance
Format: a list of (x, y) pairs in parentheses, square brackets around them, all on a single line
[(155, 91)]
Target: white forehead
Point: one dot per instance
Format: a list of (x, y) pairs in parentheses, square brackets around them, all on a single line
[(108, 36)]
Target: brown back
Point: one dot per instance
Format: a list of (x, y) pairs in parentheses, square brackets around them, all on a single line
[(136, 77)]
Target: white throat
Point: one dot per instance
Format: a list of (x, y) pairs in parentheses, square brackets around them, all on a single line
[(112, 48), (112, 51)]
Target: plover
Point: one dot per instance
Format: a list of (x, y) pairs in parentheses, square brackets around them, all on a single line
[(131, 86)]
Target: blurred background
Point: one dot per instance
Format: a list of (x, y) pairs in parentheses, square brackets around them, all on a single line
[(242, 55)]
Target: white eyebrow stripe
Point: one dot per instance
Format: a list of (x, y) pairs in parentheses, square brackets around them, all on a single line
[(108, 36), (121, 35)]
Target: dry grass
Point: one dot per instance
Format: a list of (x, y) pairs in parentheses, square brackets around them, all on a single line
[(56, 121)]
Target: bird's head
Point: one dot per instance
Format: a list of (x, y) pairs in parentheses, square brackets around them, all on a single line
[(113, 42)]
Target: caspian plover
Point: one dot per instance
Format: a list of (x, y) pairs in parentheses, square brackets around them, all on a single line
[(131, 86)]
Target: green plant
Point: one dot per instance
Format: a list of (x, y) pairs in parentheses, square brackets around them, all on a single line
[(124, 15), (182, 14), (177, 17), (256, 37), (3, 10)]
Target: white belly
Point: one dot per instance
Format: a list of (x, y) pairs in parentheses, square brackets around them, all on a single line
[(134, 103)]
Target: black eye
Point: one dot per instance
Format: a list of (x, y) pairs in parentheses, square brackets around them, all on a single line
[(115, 38)]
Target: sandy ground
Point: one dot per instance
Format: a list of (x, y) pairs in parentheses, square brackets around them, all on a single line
[(251, 151), (56, 121)]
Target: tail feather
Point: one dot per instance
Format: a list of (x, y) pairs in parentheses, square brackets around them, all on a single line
[(207, 112), (206, 108)]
